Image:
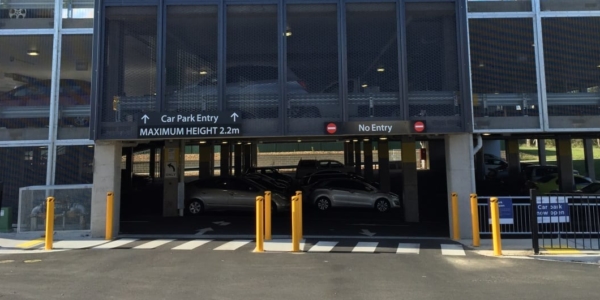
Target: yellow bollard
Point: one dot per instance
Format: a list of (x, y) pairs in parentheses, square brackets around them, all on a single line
[(455, 221), (295, 237), (475, 220), (260, 229), (268, 213), (109, 215), (495, 212), (49, 223), (300, 204)]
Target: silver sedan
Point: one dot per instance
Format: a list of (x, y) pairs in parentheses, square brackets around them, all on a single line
[(228, 193), (345, 192)]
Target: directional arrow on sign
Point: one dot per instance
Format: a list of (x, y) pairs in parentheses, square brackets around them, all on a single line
[(367, 232), (204, 230), (170, 165), (145, 118), (221, 223), (234, 116)]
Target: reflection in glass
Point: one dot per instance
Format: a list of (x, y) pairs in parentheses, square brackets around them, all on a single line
[(78, 14), (26, 64), (503, 72), (312, 60), (569, 5), (499, 5), (572, 63), (191, 60), (372, 60), (252, 75), (74, 164), (74, 95), (432, 60), (20, 167), (27, 14), (129, 83)]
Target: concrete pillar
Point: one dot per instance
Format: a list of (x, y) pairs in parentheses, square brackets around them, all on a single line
[(247, 159), (383, 158), (368, 149), (512, 157), (207, 160), (152, 167), (460, 174), (237, 159), (171, 175), (224, 160), (357, 158), (410, 194), (542, 152), (254, 154), (348, 154), (588, 148), (565, 164), (107, 178)]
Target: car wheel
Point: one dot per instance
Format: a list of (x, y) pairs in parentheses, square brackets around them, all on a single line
[(195, 207), (323, 204), (382, 205)]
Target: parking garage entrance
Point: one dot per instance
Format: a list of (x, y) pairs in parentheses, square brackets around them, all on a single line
[(351, 187)]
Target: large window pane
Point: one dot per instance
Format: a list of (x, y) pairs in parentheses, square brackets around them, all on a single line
[(129, 82), (372, 61), (74, 164), (20, 167), (78, 14), (499, 5), (312, 60), (572, 64), (74, 95), (252, 84), (569, 5), (191, 59), (26, 66), (503, 74), (432, 64), (27, 14)]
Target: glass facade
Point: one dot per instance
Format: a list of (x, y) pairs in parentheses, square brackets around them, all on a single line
[(44, 95)]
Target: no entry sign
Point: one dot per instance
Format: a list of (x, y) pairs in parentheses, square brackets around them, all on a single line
[(419, 126), (331, 128)]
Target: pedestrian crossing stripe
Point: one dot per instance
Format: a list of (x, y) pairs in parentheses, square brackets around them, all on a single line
[(283, 245)]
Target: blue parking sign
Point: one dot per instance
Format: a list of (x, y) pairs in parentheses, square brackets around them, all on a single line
[(505, 207)]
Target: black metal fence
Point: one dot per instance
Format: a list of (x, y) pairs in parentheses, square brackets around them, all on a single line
[(559, 221)]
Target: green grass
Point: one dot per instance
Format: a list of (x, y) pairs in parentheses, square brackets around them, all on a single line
[(530, 154)]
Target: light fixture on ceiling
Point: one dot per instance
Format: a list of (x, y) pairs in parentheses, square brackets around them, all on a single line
[(347, 141), (33, 53), (299, 141), (481, 64), (366, 140), (90, 146), (288, 30), (380, 69), (203, 72), (364, 85), (383, 138), (224, 142), (355, 140), (249, 143), (486, 134), (239, 143), (202, 142)]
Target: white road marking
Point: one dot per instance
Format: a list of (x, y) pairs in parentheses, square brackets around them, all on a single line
[(77, 244), (281, 245), (191, 245), (323, 246), (233, 245), (152, 244), (367, 247), (409, 248), (453, 249), (115, 244)]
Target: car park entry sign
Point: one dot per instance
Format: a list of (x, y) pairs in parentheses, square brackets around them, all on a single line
[(552, 209), (505, 207), (202, 124)]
